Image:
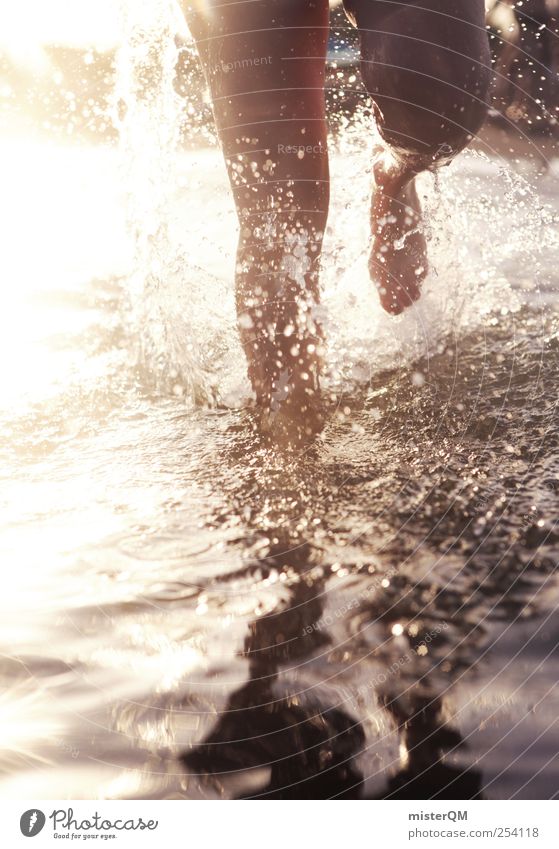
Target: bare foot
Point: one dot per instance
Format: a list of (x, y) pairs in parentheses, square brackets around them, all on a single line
[(398, 261), (286, 382), (295, 413)]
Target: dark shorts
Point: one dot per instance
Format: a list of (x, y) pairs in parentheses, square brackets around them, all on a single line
[(377, 8)]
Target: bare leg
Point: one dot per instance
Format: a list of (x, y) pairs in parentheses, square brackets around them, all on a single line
[(265, 64), (426, 65)]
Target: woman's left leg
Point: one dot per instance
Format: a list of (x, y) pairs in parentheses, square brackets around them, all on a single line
[(265, 63)]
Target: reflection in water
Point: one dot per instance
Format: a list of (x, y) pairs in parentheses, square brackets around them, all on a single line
[(342, 646), (425, 740), (364, 620), (305, 745), (184, 614)]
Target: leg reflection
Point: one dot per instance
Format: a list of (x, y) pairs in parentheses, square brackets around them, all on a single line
[(305, 745), (425, 738)]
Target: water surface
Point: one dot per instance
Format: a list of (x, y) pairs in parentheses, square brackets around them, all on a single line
[(186, 614)]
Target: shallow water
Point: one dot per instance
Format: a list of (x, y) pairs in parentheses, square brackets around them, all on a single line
[(188, 615)]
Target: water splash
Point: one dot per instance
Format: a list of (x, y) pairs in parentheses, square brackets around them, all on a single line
[(148, 112), (185, 228)]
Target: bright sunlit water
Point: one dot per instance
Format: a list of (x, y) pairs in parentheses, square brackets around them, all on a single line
[(185, 614)]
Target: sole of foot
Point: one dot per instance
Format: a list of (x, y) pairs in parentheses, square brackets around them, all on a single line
[(398, 261)]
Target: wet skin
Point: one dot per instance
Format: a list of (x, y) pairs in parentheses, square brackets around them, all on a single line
[(426, 68)]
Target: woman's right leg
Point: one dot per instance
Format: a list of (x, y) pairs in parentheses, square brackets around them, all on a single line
[(427, 66), (265, 64)]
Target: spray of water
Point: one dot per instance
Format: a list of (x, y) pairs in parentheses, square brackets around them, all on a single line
[(486, 228), (148, 112)]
